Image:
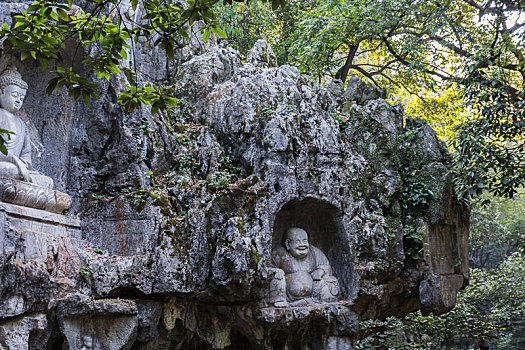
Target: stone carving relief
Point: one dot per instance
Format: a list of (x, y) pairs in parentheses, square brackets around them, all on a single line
[(302, 273), (87, 342), (19, 182)]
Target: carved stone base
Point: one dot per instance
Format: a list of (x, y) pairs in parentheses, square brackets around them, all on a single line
[(33, 196), (38, 252), (344, 320)]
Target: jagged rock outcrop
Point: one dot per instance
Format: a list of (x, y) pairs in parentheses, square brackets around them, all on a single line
[(179, 213)]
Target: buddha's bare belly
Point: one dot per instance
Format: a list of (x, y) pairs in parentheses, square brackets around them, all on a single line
[(299, 284)]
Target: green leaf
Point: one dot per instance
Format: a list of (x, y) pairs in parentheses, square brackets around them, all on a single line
[(87, 99), (52, 84), (206, 35), (63, 15), (219, 32), (182, 32), (43, 62), (53, 15)]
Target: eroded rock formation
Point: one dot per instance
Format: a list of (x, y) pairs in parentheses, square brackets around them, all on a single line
[(177, 215)]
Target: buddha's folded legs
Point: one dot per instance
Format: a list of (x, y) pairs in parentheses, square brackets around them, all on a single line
[(41, 179)]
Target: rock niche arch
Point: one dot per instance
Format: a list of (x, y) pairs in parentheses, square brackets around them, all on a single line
[(324, 224)]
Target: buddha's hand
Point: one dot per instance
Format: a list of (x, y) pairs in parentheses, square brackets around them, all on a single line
[(278, 274), (317, 274), (22, 168)]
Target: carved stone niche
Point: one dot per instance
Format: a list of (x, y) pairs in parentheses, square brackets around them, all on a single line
[(324, 226), (88, 324)]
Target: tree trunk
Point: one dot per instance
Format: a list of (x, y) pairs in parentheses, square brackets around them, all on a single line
[(342, 73)]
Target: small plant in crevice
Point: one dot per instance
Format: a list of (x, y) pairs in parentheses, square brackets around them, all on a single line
[(267, 110), (413, 241), (255, 256), (228, 165), (145, 127), (219, 180), (187, 165), (342, 119), (84, 271), (138, 199), (415, 193), (100, 196)]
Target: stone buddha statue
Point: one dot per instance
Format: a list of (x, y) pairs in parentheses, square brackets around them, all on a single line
[(17, 163), (302, 273), (87, 342)]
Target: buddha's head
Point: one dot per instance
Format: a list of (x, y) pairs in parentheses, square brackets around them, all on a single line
[(88, 341), (12, 90), (296, 242)]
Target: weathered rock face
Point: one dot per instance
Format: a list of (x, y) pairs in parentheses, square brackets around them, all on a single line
[(179, 213)]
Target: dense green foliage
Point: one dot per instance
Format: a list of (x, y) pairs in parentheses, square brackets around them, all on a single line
[(491, 308), (496, 231)]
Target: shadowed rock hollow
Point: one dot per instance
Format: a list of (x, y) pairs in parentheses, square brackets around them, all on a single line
[(178, 214)]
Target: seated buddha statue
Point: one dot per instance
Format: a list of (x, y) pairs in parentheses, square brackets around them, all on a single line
[(17, 163), (302, 273)]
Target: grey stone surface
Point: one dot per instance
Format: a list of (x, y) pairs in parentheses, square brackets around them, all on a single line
[(180, 212), (261, 55), (14, 334)]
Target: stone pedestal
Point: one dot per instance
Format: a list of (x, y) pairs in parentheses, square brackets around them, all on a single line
[(19, 218), (37, 250), (330, 326)]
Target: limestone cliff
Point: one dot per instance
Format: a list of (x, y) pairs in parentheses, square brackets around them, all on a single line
[(174, 218)]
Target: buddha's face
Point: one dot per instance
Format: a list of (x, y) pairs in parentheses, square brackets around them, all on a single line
[(12, 98), (297, 243), (88, 341)]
